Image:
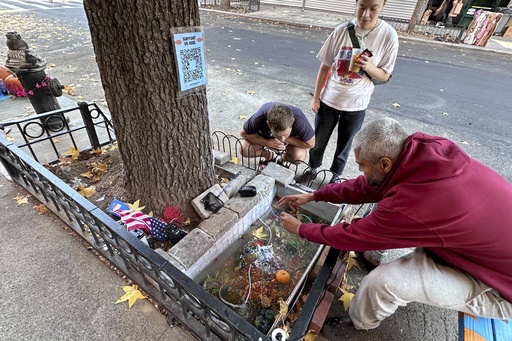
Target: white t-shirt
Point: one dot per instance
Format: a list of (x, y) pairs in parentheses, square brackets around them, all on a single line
[(351, 91)]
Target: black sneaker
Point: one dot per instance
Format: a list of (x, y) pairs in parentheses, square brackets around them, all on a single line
[(306, 177), (335, 179)]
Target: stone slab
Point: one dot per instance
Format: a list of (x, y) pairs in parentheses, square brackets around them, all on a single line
[(233, 188), (220, 157), (219, 223), (191, 248), (282, 175), (241, 205), (199, 206)]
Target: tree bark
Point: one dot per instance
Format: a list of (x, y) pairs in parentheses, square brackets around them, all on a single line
[(164, 140), (415, 15), (225, 4)]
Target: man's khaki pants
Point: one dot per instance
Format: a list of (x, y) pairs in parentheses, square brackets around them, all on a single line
[(416, 277)]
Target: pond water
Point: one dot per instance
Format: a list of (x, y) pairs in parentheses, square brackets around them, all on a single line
[(262, 268)]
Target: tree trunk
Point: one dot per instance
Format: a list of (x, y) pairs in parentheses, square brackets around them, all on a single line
[(225, 4), (415, 15), (164, 140)]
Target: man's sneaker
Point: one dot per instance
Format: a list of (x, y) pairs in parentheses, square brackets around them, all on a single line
[(340, 328), (306, 177), (335, 179), (375, 257)]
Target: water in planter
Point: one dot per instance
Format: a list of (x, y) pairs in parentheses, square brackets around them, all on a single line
[(263, 268)]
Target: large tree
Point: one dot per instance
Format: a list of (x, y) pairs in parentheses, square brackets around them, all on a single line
[(164, 139)]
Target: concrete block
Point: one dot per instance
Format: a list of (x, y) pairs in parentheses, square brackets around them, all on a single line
[(191, 248), (219, 223), (199, 206), (220, 157), (233, 188), (282, 175), (242, 205), (170, 259)]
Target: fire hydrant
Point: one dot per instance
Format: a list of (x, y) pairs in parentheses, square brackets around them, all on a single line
[(42, 91)]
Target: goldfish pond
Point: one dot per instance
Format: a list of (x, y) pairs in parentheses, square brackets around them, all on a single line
[(265, 271)]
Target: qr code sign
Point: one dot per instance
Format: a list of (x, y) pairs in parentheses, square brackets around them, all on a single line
[(191, 60)]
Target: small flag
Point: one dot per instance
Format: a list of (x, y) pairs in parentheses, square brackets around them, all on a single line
[(158, 229), (135, 220)]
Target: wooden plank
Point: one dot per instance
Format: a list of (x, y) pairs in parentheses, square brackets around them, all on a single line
[(475, 328), (508, 33)]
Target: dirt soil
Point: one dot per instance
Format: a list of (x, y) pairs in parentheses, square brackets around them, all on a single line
[(108, 185)]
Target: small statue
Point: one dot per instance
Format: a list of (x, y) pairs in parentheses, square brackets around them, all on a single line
[(16, 43)]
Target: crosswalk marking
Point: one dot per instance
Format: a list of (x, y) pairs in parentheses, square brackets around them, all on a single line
[(26, 5)]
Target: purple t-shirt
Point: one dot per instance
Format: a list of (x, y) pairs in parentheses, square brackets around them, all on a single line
[(257, 123)]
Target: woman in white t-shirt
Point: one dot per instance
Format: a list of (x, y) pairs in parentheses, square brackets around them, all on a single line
[(344, 98)]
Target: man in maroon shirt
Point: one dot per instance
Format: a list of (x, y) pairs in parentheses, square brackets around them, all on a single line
[(431, 195)]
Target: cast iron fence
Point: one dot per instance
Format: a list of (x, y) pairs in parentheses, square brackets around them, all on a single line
[(232, 145), (447, 33), (185, 301)]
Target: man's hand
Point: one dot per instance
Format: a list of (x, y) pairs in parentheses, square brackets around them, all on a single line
[(296, 200), (290, 223), (275, 144)]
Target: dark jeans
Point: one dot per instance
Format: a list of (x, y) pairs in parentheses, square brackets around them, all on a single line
[(349, 123)]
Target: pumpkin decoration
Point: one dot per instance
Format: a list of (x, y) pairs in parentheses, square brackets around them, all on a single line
[(4, 72), (13, 85), (282, 276)]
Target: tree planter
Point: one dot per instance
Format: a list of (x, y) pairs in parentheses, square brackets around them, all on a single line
[(186, 302)]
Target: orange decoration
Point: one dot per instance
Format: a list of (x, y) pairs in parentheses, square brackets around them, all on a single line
[(13, 84), (4, 72), (283, 276)]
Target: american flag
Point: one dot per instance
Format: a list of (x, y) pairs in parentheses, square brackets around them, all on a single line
[(135, 220), (158, 229)]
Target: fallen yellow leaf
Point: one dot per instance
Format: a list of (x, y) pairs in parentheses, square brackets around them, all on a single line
[(445, 113), (283, 308), (259, 233), (86, 192), (131, 295), (352, 261), (243, 117), (22, 199), (99, 168), (396, 105), (465, 142), (73, 152), (234, 160), (135, 206), (87, 175), (346, 298), (250, 92)]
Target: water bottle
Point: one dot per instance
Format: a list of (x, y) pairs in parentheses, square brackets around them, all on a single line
[(3, 88)]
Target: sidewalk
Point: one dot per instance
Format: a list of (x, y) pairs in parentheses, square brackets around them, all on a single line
[(329, 20), (52, 287)]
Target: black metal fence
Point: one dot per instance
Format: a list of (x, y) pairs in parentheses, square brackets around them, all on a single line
[(185, 301), (46, 136), (232, 145), (447, 33)]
